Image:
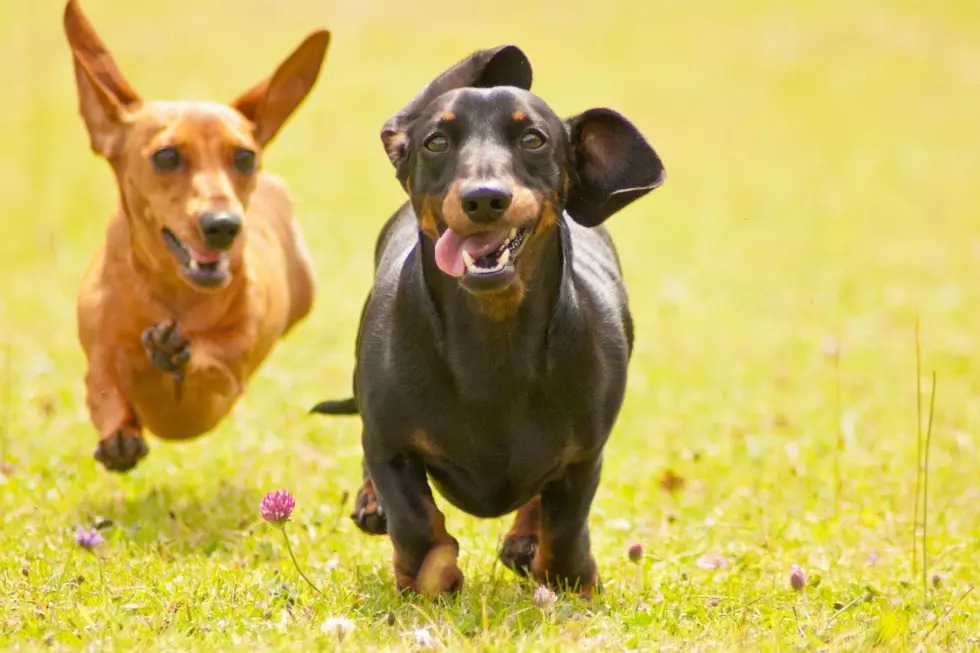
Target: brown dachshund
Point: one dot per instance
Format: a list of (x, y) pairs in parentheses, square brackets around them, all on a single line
[(204, 267)]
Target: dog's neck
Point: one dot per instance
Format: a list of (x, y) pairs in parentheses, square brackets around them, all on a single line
[(486, 338)]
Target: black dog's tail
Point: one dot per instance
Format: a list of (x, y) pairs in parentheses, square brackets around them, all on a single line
[(336, 407)]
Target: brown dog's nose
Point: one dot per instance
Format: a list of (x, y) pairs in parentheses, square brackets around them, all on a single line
[(219, 229), (485, 202)]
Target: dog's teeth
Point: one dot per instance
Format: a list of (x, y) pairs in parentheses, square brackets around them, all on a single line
[(193, 265), (512, 234), (467, 259), (502, 261), (223, 265)]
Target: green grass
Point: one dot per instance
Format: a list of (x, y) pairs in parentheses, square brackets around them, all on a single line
[(822, 160)]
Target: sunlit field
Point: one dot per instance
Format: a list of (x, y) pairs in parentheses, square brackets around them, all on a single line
[(822, 197)]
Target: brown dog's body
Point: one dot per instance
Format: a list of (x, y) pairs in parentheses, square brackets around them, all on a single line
[(204, 267), (231, 331)]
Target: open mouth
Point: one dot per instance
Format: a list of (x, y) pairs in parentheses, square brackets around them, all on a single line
[(205, 269), (497, 260), (484, 254)]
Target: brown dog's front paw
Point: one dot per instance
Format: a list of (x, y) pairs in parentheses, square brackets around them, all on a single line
[(368, 513), (166, 347), (518, 551), (122, 450), (438, 575)]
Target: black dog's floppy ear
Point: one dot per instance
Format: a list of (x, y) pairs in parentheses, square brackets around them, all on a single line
[(502, 66), (614, 165)]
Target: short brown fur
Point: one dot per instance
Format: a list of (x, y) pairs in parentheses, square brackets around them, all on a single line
[(524, 208), (427, 217), (439, 572), (134, 284), (423, 444)]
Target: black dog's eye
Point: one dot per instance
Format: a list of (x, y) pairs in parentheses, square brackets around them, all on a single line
[(166, 159), (532, 140), (436, 143), (244, 160)]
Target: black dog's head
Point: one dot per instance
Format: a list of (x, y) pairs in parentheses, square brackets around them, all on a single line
[(490, 168)]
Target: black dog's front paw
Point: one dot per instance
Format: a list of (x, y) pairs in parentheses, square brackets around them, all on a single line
[(518, 551), (166, 347), (368, 513)]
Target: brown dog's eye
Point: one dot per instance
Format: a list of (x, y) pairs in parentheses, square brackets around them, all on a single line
[(532, 140), (436, 143), (166, 159), (244, 160)]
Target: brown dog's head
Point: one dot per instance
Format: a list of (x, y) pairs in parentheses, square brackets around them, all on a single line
[(491, 169), (186, 170)]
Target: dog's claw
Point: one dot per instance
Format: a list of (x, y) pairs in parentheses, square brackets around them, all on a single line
[(166, 347), (121, 451), (368, 513)]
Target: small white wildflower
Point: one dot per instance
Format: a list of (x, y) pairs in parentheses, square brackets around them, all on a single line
[(712, 562), (423, 639), (544, 597), (339, 626), (831, 347)]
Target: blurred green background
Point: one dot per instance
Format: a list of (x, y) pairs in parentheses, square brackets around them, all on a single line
[(822, 193)]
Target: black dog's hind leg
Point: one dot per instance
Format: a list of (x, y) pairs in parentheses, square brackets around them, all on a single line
[(521, 542), (369, 514)]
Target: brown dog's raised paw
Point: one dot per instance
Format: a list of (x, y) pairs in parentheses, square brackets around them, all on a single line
[(166, 347), (368, 513), (122, 450), (517, 553)]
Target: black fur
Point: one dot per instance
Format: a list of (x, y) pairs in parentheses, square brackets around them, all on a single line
[(516, 407), (339, 407)]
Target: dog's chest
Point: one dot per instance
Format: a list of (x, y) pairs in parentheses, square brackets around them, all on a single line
[(489, 466)]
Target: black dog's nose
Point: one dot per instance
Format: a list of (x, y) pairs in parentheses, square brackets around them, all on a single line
[(219, 229), (485, 202)]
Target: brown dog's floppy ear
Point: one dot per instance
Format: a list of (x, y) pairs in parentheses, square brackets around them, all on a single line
[(104, 95), (502, 66), (269, 103), (614, 165)]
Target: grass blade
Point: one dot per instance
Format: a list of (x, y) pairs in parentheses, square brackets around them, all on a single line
[(925, 483), (8, 382), (839, 445), (948, 612), (918, 450)]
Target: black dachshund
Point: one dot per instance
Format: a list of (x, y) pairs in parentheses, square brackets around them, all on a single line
[(493, 348)]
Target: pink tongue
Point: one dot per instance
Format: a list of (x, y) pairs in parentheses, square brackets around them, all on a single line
[(450, 248), (204, 257)]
